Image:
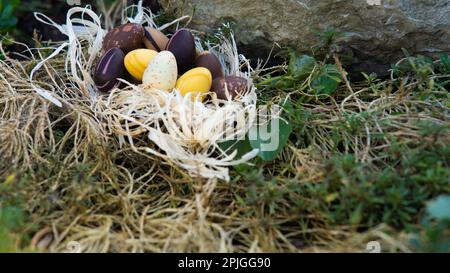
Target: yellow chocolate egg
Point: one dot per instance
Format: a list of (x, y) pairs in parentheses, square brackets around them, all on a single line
[(197, 80), (161, 73), (137, 61)]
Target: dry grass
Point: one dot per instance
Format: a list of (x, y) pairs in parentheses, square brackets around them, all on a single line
[(66, 170)]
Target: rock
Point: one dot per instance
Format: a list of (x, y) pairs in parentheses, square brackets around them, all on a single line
[(376, 30)]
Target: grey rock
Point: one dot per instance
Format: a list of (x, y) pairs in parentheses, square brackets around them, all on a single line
[(376, 30)]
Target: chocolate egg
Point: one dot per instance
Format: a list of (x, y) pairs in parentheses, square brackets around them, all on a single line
[(197, 80), (127, 37), (155, 39), (182, 45), (109, 69), (210, 61), (161, 72), (137, 61), (234, 84)]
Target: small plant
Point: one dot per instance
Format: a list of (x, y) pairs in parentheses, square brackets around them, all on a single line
[(430, 79), (223, 32), (329, 40), (304, 72), (311, 74)]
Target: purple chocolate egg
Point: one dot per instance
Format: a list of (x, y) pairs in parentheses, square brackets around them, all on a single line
[(109, 69), (182, 45)]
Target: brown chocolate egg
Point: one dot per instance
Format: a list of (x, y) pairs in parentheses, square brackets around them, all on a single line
[(109, 69), (155, 39), (182, 46), (234, 84), (210, 61), (127, 37)]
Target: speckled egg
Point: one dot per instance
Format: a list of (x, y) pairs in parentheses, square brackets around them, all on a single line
[(127, 37), (161, 72), (137, 61), (196, 80)]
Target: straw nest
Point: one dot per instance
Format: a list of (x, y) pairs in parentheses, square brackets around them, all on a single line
[(186, 132)]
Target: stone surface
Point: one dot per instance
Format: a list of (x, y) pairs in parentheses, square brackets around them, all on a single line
[(376, 30)]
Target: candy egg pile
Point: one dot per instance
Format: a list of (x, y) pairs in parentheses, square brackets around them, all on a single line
[(145, 55)]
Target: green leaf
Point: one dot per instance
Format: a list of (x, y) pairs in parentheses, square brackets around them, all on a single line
[(440, 208), (356, 216), (288, 107), (242, 147), (270, 140), (328, 81), (300, 66)]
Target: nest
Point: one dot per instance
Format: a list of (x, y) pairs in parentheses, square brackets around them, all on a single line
[(180, 130)]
